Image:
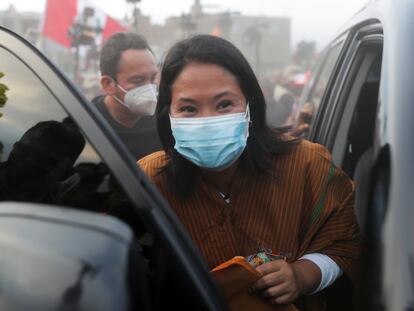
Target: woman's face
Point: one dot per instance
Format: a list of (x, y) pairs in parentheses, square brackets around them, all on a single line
[(205, 90)]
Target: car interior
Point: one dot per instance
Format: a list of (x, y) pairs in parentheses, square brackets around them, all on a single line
[(362, 128)]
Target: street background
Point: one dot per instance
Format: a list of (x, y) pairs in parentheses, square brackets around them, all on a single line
[(280, 38)]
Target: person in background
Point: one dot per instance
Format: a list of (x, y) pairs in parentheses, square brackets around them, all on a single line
[(279, 102), (128, 77), (239, 186)]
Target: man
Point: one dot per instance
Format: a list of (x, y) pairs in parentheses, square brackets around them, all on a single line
[(128, 74)]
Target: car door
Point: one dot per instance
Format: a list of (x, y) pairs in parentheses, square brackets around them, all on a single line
[(56, 149), (349, 133), (346, 123)]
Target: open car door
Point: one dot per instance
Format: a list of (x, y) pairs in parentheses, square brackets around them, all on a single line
[(57, 150)]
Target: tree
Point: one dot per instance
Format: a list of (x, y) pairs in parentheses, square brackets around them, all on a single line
[(3, 96)]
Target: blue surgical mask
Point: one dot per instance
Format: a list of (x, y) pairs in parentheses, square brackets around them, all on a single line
[(211, 142)]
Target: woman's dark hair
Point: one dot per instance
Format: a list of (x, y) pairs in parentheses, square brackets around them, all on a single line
[(262, 143)]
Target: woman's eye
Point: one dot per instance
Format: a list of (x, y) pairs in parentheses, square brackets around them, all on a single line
[(224, 104), (187, 109)]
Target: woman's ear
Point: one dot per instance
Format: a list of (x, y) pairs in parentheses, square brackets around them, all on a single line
[(108, 85)]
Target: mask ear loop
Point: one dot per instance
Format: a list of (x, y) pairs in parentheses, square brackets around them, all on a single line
[(247, 115), (118, 85), (121, 88)]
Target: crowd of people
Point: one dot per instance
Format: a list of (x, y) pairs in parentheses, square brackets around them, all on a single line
[(281, 94)]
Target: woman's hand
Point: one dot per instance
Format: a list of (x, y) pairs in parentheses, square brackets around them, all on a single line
[(283, 283)]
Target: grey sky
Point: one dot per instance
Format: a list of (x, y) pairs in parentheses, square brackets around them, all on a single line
[(311, 19)]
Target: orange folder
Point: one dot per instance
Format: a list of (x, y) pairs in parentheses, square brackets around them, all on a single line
[(235, 277)]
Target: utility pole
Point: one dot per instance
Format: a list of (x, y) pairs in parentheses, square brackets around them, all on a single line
[(253, 38), (135, 13), (188, 25)]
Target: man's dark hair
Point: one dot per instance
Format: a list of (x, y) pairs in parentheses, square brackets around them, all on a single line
[(263, 142), (113, 48)]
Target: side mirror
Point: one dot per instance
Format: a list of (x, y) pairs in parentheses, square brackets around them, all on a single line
[(61, 259)]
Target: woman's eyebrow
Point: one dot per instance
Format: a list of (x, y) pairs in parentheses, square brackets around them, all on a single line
[(187, 100), (222, 94)]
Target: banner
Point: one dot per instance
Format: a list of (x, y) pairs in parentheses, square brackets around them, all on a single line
[(68, 22)]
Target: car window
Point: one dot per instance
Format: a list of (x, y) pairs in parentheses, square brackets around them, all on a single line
[(45, 157), (322, 82), (352, 129), (310, 103)]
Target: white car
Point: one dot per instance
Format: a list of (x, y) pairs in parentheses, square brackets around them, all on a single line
[(359, 103)]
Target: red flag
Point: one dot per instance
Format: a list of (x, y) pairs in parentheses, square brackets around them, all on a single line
[(111, 27), (60, 15), (58, 18)]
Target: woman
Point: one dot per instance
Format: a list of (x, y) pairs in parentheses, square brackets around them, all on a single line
[(237, 185)]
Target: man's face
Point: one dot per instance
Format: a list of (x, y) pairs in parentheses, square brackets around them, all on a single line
[(135, 68)]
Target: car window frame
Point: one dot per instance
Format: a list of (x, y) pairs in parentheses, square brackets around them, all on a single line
[(319, 67), (340, 125), (322, 126), (147, 201), (361, 35)]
